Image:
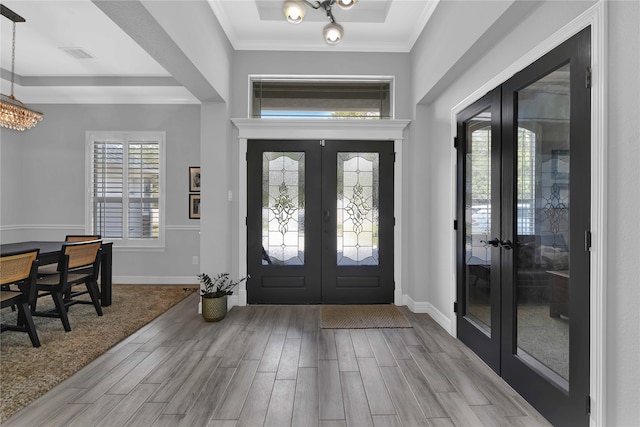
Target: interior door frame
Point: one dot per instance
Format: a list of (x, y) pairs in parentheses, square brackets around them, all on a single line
[(310, 129), (596, 18)]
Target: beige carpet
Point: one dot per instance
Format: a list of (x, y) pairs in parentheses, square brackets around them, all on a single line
[(28, 372), (362, 316)]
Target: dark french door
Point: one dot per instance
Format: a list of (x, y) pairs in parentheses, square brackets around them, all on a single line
[(320, 221), (523, 243)]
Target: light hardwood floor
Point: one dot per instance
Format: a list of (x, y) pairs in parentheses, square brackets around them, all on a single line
[(274, 366)]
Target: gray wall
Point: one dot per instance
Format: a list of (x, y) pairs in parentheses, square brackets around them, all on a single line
[(43, 182)]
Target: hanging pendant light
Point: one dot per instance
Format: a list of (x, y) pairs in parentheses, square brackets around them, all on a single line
[(294, 11), (13, 113)]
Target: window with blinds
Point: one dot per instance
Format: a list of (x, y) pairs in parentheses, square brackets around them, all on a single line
[(125, 187), (321, 99)]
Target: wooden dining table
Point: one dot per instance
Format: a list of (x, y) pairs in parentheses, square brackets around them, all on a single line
[(50, 253)]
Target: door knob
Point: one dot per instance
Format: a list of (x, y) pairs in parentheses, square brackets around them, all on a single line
[(506, 244), (495, 242)]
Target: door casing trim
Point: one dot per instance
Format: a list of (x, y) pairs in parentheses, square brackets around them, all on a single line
[(387, 130)]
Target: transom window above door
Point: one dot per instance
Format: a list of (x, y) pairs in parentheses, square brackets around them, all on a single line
[(363, 99)]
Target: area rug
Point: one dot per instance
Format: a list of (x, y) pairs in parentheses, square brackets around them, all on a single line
[(362, 316), (28, 372)]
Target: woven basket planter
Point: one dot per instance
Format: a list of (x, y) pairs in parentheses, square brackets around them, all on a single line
[(214, 309)]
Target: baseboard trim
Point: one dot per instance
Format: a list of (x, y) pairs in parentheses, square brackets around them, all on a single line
[(155, 280), (428, 308)]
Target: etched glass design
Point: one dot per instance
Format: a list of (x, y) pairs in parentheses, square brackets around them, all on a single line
[(283, 208), (358, 208)]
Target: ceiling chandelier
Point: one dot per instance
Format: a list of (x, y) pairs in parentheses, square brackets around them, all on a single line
[(13, 113), (294, 11)]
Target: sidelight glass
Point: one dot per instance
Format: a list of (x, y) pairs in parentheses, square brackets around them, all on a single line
[(358, 208), (283, 191), (478, 196), (542, 276)]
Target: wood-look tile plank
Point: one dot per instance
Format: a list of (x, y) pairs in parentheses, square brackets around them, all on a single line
[(125, 409), (347, 360), (296, 323), (361, 343), (88, 376), (208, 400), (96, 412), (311, 318), (421, 389), (234, 349), (144, 368), (396, 344), (281, 319), (333, 423), (64, 416), (491, 416), (288, 366), (462, 380), (327, 345), (280, 408), (165, 420), (222, 423), (254, 411), (437, 380), (377, 394), (257, 344), (192, 386), (237, 391), (331, 405), (458, 409), (271, 356), (528, 422), (305, 405), (224, 336), (145, 415), (405, 402), (386, 421), (380, 348), (356, 407), (409, 336), (116, 374), (165, 370), (309, 350), (45, 407), (169, 388), (429, 343)]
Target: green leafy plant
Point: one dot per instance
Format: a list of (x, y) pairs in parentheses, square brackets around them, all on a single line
[(219, 286)]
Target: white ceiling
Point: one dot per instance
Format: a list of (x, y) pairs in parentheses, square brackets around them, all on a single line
[(122, 71)]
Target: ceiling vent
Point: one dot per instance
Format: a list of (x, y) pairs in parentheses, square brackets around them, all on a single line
[(77, 52)]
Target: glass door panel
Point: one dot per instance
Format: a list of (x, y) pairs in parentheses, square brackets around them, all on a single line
[(478, 199), (358, 208), (543, 224)]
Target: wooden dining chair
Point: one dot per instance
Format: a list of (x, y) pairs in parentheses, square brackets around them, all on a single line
[(79, 264), (18, 274), (53, 268)]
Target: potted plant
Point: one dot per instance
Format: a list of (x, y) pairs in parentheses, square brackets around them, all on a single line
[(214, 294)]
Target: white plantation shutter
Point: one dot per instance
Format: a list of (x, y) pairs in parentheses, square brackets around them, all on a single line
[(126, 183)]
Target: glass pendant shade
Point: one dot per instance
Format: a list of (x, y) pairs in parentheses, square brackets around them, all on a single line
[(333, 33), (346, 4), (294, 11), (15, 115)]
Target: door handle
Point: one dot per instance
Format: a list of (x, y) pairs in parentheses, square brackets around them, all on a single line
[(493, 242), (506, 244), (327, 215)]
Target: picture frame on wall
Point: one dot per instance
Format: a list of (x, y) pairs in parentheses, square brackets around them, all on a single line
[(194, 206), (194, 179)]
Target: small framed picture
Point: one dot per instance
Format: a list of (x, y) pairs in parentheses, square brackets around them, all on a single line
[(194, 178), (194, 206)]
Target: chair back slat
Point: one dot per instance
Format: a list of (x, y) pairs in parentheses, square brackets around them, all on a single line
[(82, 254), (16, 267), (81, 237)]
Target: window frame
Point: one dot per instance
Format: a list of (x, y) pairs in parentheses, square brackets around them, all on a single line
[(322, 79), (127, 137)]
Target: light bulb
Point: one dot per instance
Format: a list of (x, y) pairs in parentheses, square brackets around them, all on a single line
[(294, 11), (333, 33)]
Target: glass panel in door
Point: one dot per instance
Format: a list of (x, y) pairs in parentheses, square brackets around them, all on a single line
[(478, 197), (283, 208), (543, 224)]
